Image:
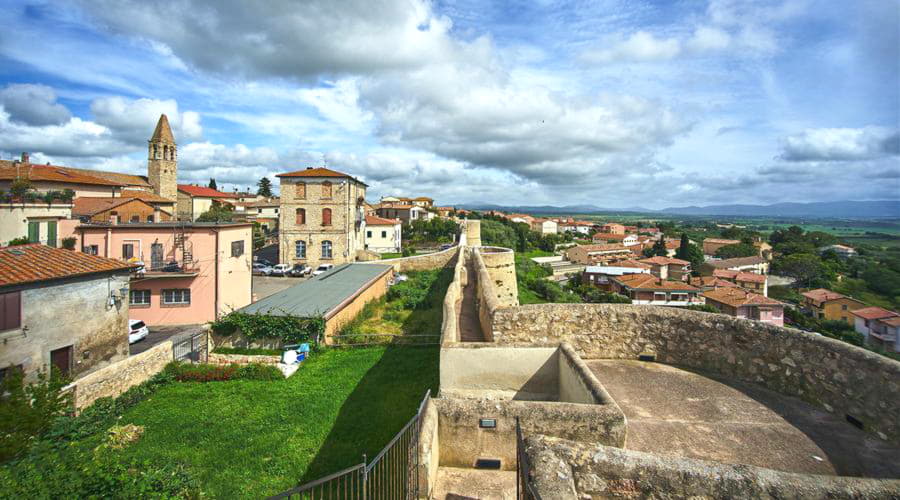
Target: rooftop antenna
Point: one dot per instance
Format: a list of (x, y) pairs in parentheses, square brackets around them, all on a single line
[(324, 161)]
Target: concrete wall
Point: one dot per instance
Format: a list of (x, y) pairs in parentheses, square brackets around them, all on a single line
[(576, 382), (69, 313), (117, 378), (511, 373), (487, 298), (565, 468), (14, 218), (235, 279), (831, 374), (463, 441)]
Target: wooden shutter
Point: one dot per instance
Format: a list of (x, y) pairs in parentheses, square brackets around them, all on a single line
[(326, 189), (34, 232), (10, 310), (300, 191), (301, 216), (51, 233), (326, 216)]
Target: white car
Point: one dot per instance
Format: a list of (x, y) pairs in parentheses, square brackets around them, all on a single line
[(137, 330), (260, 269), (324, 268), (281, 269)]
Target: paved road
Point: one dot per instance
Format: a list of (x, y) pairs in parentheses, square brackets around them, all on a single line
[(263, 286), (161, 333)]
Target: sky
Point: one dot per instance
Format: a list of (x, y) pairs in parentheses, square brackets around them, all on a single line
[(612, 103)]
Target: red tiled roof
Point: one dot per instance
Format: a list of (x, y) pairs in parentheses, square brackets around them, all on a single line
[(602, 248), (895, 321), (739, 275), (35, 262), (372, 220), (874, 313), (90, 205), (820, 295), (127, 179), (665, 261), (399, 207), (737, 297), (204, 192), (609, 236), (710, 281), (50, 173), (721, 241), (630, 263), (144, 195), (650, 282), (316, 172)]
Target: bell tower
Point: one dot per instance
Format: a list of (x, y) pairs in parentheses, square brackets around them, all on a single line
[(162, 163)]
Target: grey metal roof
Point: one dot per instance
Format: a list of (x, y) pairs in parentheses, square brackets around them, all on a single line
[(319, 295)]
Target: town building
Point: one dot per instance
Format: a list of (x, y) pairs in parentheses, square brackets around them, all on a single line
[(758, 265), (668, 268), (650, 290), (612, 227), (193, 201), (263, 212), (544, 226), (601, 276), (706, 283), (597, 254), (421, 201), (740, 303), (712, 245), (405, 212), (322, 217), (756, 283), (825, 304), (843, 251), (157, 201), (521, 218), (116, 210), (61, 308), (189, 272), (37, 221), (383, 235), (626, 239), (443, 211), (45, 178), (879, 327)]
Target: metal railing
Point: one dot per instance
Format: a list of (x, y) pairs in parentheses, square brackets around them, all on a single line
[(393, 473), (524, 487)]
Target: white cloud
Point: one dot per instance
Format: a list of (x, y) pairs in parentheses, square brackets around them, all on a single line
[(641, 46), (841, 144), (32, 104), (708, 39), (133, 121)]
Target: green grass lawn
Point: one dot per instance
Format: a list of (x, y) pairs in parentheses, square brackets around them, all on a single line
[(857, 289), (248, 439), (391, 255)]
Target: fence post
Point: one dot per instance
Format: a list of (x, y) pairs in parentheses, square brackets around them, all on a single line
[(365, 482)]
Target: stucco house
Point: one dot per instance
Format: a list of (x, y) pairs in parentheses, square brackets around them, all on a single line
[(758, 265), (190, 272), (194, 200), (597, 254), (405, 212), (829, 305), (668, 268), (756, 283), (38, 221), (61, 308), (740, 303), (712, 245), (121, 209), (544, 226), (383, 235), (879, 327), (650, 290)]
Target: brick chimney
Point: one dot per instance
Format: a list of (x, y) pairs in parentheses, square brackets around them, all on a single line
[(25, 157)]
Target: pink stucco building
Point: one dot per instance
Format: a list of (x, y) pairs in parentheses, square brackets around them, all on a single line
[(741, 303), (192, 272)]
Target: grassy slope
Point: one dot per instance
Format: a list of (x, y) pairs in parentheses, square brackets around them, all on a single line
[(252, 439)]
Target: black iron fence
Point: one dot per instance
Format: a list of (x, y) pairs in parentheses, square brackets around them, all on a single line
[(191, 347), (524, 488), (393, 473)]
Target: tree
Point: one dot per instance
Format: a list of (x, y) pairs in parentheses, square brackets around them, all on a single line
[(264, 187), (659, 248), (806, 269), (736, 250), (218, 212), (28, 410), (259, 236), (212, 184), (691, 253)]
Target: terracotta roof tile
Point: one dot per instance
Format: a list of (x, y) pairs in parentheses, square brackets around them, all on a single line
[(650, 282), (665, 261), (90, 205), (737, 297), (820, 295), (144, 195), (204, 192), (127, 179), (51, 173), (874, 313), (372, 220), (736, 262), (322, 172), (35, 262)]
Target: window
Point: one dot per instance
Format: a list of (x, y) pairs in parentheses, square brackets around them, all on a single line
[(368, 234), (139, 297), (237, 248), (91, 249), (10, 310), (384, 234), (300, 249), (843, 307), (301, 216), (326, 216), (7, 370), (127, 250), (326, 249), (149, 218), (135, 218), (300, 191), (326, 189), (176, 296)]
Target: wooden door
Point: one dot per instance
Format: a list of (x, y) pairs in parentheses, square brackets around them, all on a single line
[(61, 360)]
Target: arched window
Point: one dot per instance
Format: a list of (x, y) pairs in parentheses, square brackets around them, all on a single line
[(165, 152), (300, 191), (301, 216), (172, 153), (326, 216), (326, 249), (300, 249), (155, 151), (326, 189)]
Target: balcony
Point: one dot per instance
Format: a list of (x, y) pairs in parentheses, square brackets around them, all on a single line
[(884, 335), (168, 269)]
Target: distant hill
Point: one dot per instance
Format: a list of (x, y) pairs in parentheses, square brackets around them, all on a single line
[(820, 210), (828, 209)]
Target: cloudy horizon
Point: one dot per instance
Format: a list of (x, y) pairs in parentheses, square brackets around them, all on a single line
[(611, 103)]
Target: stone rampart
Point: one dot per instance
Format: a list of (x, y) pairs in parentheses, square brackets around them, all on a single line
[(565, 468), (436, 260), (839, 377), (500, 264), (114, 379), (487, 298), (452, 299), (472, 228)]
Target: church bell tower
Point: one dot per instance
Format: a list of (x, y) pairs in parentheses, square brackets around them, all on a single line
[(162, 163)]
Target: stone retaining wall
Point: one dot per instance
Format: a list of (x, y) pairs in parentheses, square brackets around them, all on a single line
[(452, 299), (424, 262), (567, 469), (839, 377), (488, 299), (241, 359), (113, 380)]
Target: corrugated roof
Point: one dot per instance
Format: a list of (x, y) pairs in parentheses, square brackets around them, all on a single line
[(319, 295), (34, 263)]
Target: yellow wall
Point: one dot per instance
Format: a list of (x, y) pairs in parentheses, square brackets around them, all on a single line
[(376, 290), (234, 272), (834, 310)]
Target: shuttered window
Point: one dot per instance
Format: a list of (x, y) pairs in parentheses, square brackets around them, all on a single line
[(300, 191), (326, 189), (10, 311), (301, 216), (326, 216)]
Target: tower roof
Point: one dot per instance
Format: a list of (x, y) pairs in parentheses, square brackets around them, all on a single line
[(163, 132)]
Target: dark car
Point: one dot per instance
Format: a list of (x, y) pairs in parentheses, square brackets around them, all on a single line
[(300, 270)]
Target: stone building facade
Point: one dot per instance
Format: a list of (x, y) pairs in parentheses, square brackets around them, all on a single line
[(322, 217)]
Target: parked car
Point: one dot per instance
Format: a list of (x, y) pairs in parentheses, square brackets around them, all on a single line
[(300, 270), (260, 269), (137, 330), (265, 262), (324, 268), (281, 269)]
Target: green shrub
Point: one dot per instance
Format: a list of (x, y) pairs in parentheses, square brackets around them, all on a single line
[(19, 241), (702, 308), (27, 411), (69, 243), (247, 351), (289, 329), (189, 372)]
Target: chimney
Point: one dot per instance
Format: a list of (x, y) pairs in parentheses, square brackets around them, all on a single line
[(25, 157), (113, 219)]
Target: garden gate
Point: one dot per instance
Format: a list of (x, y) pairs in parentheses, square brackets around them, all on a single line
[(191, 347)]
